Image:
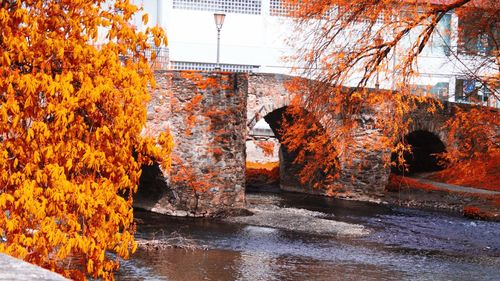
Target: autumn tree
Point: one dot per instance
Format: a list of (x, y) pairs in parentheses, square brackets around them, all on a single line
[(71, 115), (474, 157), (367, 55)]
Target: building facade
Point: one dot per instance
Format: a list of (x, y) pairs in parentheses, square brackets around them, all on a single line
[(255, 34)]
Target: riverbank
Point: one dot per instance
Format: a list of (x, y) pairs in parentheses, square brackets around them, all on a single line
[(419, 193), (429, 191), (424, 193)]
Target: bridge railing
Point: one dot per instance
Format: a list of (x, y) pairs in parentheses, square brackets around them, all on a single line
[(161, 61), (258, 132)]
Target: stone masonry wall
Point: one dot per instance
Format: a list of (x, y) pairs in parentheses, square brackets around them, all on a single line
[(210, 115), (364, 174), (206, 113), (361, 173), (435, 122), (363, 169), (266, 93)]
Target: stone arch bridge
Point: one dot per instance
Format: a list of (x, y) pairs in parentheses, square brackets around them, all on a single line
[(210, 116)]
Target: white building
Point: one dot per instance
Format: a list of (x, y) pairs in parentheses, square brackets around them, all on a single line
[(254, 39), (251, 38)]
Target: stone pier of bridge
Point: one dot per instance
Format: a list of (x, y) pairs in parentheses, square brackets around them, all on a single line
[(206, 115)]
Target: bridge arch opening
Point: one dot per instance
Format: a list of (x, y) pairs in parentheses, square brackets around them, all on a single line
[(423, 158), (285, 171), (153, 188)]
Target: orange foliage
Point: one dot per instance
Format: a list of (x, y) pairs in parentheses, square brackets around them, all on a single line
[(194, 106), (262, 172), (312, 146), (193, 103), (71, 116), (396, 183), (202, 83), (474, 133), (266, 146), (188, 177), (217, 152), (475, 159), (358, 38), (486, 175), (267, 166), (346, 46), (322, 146), (474, 212)]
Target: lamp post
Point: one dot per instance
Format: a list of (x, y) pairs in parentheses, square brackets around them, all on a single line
[(219, 21), (378, 42)]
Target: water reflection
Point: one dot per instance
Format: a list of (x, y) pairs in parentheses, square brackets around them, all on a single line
[(179, 264), (216, 264)]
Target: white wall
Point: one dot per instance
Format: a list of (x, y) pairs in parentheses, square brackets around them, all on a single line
[(245, 39)]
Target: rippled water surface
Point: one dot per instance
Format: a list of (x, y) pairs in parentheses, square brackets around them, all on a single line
[(403, 244)]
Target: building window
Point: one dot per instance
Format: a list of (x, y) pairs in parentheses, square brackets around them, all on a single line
[(252, 7), (441, 37), (440, 90), (471, 91), (439, 44)]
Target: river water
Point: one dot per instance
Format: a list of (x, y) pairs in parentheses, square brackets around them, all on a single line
[(401, 244)]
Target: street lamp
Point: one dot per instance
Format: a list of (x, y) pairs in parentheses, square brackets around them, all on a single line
[(219, 21), (378, 42)]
